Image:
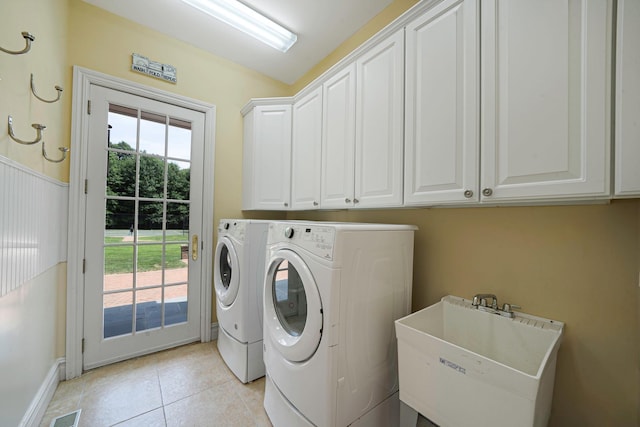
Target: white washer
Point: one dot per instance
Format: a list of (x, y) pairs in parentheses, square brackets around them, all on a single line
[(238, 281), (332, 292)]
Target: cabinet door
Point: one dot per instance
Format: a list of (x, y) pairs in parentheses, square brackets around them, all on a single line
[(306, 151), (441, 106), (627, 133), (545, 99), (379, 125), (338, 139), (270, 163)]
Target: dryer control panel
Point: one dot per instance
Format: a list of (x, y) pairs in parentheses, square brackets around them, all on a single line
[(316, 239)]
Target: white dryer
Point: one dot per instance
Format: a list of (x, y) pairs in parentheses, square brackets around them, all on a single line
[(238, 281), (332, 292)]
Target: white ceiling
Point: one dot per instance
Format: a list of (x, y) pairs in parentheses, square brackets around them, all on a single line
[(321, 26)]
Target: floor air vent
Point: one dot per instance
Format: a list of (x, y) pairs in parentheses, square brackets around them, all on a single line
[(69, 420)]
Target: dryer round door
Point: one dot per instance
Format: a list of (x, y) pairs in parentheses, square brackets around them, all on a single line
[(292, 306), (226, 275)]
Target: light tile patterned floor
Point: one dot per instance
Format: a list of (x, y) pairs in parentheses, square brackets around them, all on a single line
[(186, 386)]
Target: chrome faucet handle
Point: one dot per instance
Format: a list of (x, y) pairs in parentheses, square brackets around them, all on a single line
[(481, 300), (509, 307)]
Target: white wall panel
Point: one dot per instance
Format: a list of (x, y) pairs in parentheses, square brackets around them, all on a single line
[(33, 224)]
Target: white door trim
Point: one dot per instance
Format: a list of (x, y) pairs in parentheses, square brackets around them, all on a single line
[(82, 80)]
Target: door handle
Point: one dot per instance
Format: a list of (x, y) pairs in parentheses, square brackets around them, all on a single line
[(194, 247)]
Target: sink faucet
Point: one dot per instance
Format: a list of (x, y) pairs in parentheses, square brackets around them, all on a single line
[(480, 301)]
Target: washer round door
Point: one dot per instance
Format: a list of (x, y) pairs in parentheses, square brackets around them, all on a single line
[(292, 306), (226, 275)]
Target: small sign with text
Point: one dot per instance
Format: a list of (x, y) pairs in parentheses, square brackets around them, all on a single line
[(142, 64)]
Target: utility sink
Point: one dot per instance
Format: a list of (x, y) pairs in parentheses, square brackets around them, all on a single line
[(460, 366)]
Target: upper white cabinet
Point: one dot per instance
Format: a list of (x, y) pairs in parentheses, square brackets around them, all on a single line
[(379, 124), (627, 130), (461, 102), (441, 106), (544, 80), (545, 105), (338, 139), (362, 138), (266, 183), (306, 151)]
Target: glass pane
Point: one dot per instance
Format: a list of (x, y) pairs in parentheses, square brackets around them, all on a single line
[(150, 216), (119, 220), (175, 304), (149, 259), (151, 178), (179, 146), (123, 131), (118, 316), (226, 267), (121, 174), (173, 257), (118, 268), (178, 220), (178, 180), (290, 299), (148, 309), (152, 133)]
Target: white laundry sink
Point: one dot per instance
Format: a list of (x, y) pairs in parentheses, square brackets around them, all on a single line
[(459, 366)]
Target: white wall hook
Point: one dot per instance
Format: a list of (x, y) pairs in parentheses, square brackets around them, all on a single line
[(39, 130), (33, 90), (64, 151)]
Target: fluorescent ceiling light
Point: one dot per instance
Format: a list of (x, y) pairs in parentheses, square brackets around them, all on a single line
[(245, 19)]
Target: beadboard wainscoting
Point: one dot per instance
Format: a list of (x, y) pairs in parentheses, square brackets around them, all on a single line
[(33, 224)]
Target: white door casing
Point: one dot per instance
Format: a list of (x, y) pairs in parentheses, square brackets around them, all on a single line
[(83, 79)]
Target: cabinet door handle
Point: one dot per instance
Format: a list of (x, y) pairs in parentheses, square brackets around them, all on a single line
[(347, 200), (356, 201), (487, 192), (468, 194), (286, 205), (315, 203)]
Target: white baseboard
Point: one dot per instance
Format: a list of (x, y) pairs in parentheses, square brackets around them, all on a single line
[(214, 331), (41, 400)]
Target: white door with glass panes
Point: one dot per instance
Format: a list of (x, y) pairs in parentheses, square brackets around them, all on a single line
[(144, 220)]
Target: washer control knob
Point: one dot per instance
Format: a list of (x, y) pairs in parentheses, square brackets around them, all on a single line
[(288, 232), (226, 226)]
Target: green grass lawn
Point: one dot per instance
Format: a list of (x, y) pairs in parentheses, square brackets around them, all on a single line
[(119, 259)]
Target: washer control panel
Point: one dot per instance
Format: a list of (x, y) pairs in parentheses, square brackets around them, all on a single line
[(232, 228), (316, 239)]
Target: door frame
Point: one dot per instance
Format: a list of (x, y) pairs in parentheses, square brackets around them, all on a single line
[(82, 80)]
